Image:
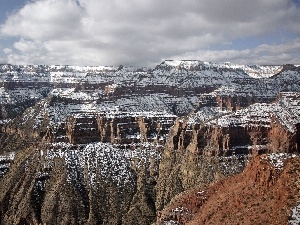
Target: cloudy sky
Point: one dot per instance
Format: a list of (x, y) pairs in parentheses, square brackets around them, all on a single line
[(145, 32)]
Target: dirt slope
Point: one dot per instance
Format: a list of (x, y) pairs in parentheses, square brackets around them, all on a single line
[(263, 194)]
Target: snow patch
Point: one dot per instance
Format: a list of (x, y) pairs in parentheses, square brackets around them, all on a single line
[(295, 215), (277, 159)]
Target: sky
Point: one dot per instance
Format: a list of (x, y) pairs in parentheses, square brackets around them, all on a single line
[(146, 32)]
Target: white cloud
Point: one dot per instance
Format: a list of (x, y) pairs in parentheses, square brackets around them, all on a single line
[(28, 46), (7, 50), (141, 32), (44, 19), (263, 54)]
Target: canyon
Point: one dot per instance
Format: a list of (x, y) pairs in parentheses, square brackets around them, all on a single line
[(184, 142)]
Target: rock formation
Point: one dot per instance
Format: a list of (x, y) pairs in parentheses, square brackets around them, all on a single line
[(114, 145), (263, 193)]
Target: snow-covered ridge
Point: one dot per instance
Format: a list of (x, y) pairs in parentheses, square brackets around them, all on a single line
[(81, 119), (255, 71), (258, 114), (172, 86), (286, 110), (54, 73), (83, 68), (84, 106)]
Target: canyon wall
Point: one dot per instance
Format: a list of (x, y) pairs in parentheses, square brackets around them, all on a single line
[(114, 145)]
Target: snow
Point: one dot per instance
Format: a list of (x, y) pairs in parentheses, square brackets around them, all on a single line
[(295, 215), (33, 82), (172, 87), (177, 213), (5, 162), (171, 222), (233, 164), (102, 160), (286, 110), (70, 93), (277, 159), (254, 71), (204, 114), (19, 95), (8, 156)]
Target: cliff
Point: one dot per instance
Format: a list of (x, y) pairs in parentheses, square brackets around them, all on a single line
[(121, 128), (265, 192), (114, 145), (211, 144)]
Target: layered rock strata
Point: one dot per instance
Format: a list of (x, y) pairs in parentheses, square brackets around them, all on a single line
[(212, 143), (97, 147)]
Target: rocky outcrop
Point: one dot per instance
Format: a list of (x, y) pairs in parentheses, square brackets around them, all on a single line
[(78, 184), (82, 130), (217, 145), (263, 193), (281, 139), (121, 128), (186, 169), (207, 140)]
